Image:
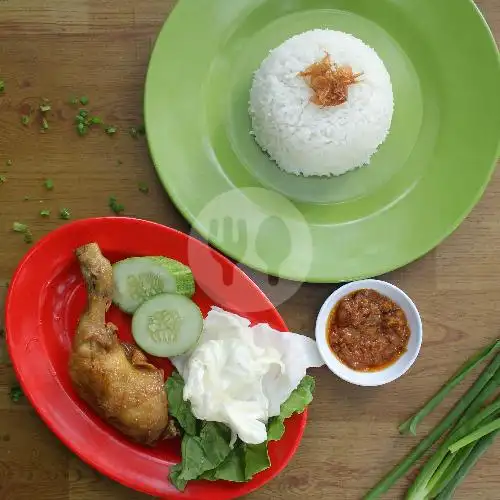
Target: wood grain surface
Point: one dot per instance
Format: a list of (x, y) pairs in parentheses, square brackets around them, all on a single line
[(54, 49)]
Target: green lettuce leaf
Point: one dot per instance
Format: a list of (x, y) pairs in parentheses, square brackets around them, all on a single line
[(298, 401), (177, 407), (242, 463), (206, 450), (174, 476)]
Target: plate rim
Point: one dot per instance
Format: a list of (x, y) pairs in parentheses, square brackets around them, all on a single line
[(44, 414)]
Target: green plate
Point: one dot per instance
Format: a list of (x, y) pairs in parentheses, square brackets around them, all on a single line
[(420, 185)]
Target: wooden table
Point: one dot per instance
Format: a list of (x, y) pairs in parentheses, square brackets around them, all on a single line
[(100, 48)]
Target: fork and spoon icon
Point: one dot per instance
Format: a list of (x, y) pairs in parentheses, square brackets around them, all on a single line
[(233, 233)]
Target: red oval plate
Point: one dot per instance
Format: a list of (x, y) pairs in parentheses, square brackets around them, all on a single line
[(46, 298)]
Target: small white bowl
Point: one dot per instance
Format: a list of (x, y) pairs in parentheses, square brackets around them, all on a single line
[(391, 372)]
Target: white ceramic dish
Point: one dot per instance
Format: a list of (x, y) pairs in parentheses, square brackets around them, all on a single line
[(389, 373)]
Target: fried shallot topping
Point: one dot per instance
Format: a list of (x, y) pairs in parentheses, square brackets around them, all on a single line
[(329, 81)]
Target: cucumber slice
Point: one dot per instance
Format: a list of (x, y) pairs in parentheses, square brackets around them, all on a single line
[(167, 325), (137, 279)]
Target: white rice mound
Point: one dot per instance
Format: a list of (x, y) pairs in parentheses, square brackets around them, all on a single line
[(304, 138)]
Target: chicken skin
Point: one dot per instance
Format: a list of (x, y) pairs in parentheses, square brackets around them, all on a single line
[(113, 377)]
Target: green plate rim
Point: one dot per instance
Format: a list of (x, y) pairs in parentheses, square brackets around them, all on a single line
[(204, 232)]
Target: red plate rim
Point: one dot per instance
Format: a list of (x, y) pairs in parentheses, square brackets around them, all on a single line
[(96, 461)]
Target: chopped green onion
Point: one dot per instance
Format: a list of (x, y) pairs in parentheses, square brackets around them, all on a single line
[(8, 163), (49, 184), (133, 132), (2, 86), (83, 113), (25, 120), (95, 120), (81, 128), (16, 393), (74, 101), (143, 187), (45, 107), (18, 227), (45, 213), (28, 237), (26, 198), (64, 214), (3, 179), (45, 124), (84, 100), (79, 119), (110, 130), (116, 207)]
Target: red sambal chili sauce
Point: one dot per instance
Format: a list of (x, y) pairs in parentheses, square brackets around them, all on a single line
[(367, 331)]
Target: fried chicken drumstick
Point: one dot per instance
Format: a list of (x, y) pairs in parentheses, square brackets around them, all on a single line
[(113, 377)]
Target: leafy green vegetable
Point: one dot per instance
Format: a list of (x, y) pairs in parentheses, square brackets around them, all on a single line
[(49, 184), (84, 100), (298, 401), (242, 463), (45, 213), (16, 393), (206, 446), (180, 409), (175, 479), (233, 468), (20, 228), (256, 459), (204, 452), (64, 214)]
